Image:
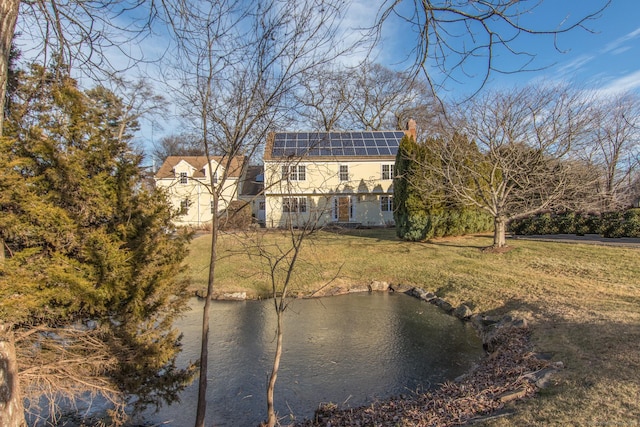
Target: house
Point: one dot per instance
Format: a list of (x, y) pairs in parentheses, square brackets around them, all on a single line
[(321, 178), (186, 181)]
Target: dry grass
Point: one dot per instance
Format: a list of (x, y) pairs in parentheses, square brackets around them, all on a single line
[(582, 301)]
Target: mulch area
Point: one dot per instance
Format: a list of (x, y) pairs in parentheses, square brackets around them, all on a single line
[(506, 374)]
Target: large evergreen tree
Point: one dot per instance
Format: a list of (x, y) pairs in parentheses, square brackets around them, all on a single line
[(409, 210), (424, 206), (89, 285)]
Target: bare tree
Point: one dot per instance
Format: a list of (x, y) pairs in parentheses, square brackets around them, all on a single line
[(509, 154), (281, 259), (369, 96), (183, 144), (281, 252), (95, 39), (377, 97), (8, 19), (614, 147), (452, 36), (236, 70), (323, 95)]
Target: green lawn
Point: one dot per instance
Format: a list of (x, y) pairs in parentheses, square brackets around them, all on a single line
[(582, 302)]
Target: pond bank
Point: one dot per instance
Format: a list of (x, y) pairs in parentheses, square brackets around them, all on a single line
[(510, 371)]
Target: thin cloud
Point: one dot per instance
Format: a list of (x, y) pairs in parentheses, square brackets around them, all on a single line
[(615, 45), (576, 64), (629, 82)]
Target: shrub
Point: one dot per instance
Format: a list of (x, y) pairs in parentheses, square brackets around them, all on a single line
[(613, 224), (237, 216), (609, 224), (632, 223), (566, 223)]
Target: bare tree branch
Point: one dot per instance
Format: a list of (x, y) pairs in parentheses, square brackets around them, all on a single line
[(452, 35)]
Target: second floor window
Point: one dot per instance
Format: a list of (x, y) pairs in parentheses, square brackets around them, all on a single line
[(294, 173), (344, 172), (183, 178), (387, 171)]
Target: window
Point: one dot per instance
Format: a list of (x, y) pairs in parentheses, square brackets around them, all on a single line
[(183, 178), (344, 172), (184, 206), (388, 171), (386, 203), (294, 204), (213, 208), (294, 173), (215, 175)]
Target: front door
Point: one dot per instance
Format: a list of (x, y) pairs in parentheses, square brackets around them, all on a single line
[(344, 205)]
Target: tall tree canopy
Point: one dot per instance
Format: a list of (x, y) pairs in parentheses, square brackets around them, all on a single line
[(88, 286), (509, 153)]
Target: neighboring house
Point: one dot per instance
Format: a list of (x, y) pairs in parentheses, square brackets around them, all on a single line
[(320, 178), (252, 192), (186, 180)]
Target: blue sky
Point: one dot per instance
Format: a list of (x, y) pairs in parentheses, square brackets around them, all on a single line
[(607, 59), (604, 59)]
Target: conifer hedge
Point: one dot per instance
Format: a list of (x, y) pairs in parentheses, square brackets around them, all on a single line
[(418, 215)]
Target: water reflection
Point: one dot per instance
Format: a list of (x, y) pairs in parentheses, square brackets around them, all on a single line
[(350, 350)]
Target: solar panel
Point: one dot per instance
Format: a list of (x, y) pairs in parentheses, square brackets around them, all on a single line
[(370, 143)]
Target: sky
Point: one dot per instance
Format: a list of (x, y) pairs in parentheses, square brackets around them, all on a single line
[(604, 58)]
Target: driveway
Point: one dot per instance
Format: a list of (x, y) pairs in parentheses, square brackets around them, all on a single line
[(593, 239)]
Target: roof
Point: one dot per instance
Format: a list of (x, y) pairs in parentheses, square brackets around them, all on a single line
[(331, 145), (254, 182), (199, 163)]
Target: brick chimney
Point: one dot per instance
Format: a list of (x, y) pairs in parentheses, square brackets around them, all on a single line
[(411, 131)]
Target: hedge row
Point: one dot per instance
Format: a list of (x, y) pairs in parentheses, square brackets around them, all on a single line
[(427, 224), (610, 224)]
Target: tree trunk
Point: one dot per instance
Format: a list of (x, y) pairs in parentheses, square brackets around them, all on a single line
[(8, 17), (271, 413), (500, 232), (11, 410), (204, 349)]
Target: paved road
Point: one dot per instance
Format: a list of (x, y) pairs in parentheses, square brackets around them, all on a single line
[(594, 239)]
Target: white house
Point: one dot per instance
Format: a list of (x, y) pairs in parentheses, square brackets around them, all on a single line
[(186, 180), (331, 177)]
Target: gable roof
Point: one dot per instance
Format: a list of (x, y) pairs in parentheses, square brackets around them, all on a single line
[(331, 145), (199, 163)]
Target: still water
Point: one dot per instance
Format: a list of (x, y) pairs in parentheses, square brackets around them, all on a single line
[(349, 350)]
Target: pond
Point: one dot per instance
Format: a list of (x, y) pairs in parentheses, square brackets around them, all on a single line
[(349, 350)]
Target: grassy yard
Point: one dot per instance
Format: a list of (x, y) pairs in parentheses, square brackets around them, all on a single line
[(582, 302)]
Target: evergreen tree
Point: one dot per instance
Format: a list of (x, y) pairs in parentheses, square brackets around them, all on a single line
[(424, 207), (409, 210), (89, 285)]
